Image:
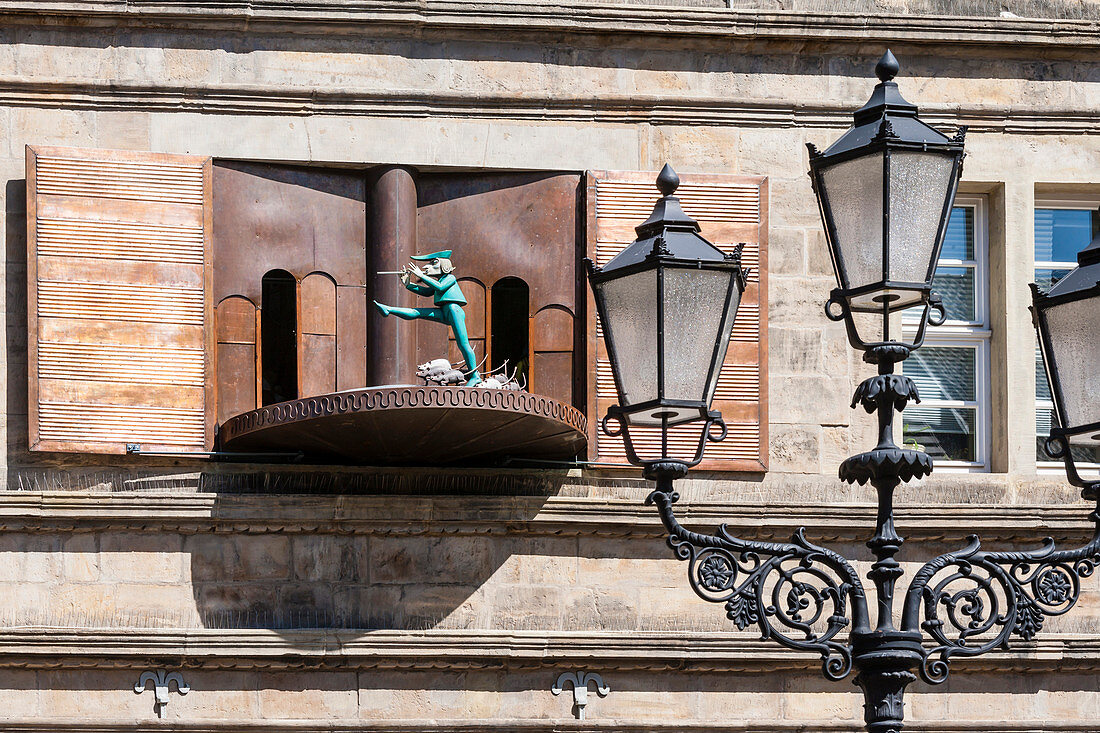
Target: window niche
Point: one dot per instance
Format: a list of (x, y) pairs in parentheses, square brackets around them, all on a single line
[(510, 326), (278, 337)]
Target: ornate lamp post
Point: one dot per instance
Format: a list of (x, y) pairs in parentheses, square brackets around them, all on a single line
[(885, 191), (1068, 323), (667, 304)]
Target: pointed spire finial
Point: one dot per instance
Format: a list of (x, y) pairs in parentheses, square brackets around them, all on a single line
[(667, 181), (887, 67)]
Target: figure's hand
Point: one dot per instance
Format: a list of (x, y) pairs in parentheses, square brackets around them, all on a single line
[(404, 275), (416, 271)]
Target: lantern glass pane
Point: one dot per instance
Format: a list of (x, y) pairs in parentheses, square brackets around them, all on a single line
[(919, 185), (630, 328), (853, 190), (1074, 330), (695, 310)]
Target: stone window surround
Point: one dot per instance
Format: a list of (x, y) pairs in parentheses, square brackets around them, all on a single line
[(1067, 200), (976, 335)]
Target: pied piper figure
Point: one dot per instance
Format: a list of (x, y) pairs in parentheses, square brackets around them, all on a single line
[(437, 279)]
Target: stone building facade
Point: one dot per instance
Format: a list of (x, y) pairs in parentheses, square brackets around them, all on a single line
[(294, 598)]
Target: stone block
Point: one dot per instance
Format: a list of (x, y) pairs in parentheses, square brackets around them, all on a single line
[(786, 251), (696, 149), (368, 606), (818, 261), (798, 301), (426, 605), (80, 558), (600, 607), (794, 448), (71, 694), (536, 560), (451, 559), (528, 607), (127, 130), (402, 695), (237, 605), (241, 557), (777, 153), (262, 137), (136, 558), (313, 695), (793, 203), (794, 351), (330, 558), (809, 399), (19, 694), (33, 126), (216, 695), (30, 558)]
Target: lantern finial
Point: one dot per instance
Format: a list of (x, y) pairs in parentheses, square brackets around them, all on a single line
[(667, 181), (887, 67)]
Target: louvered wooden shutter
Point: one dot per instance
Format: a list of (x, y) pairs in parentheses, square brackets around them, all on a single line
[(118, 300), (729, 209)]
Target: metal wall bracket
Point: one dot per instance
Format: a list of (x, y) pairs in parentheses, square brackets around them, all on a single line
[(161, 680), (580, 680)]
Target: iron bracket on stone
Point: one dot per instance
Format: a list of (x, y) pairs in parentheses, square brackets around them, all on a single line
[(580, 680), (162, 680)]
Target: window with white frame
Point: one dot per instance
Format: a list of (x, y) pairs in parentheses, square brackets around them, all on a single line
[(951, 370), (1063, 228)]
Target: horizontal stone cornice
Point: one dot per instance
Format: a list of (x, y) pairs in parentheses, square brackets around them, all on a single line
[(531, 19), (611, 109), (655, 651), (504, 725), (514, 516)]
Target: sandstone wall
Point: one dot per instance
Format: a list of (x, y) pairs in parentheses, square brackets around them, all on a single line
[(422, 604)]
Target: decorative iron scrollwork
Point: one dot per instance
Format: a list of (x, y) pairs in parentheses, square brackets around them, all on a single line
[(797, 593), (973, 601)]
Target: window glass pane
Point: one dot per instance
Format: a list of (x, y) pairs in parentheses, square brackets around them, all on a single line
[(1045, 277), (1042, 386), (1061, 233), (1044, 417), (943, 372), (958, 242), (956, 286), (941, 432)]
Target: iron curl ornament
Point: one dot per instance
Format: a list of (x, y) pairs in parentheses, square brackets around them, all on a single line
[(805, 596)]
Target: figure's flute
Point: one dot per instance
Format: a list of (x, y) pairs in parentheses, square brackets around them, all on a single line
[(390, 272)]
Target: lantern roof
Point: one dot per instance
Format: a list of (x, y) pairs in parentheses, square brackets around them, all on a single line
[(668, 233), (1085, 276), (887, 115)]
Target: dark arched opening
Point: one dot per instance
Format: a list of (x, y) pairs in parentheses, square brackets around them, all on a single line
[(510, 338), (279, 337)]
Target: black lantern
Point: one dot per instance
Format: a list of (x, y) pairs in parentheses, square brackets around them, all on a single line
[(1068, 322), (667, 304), (885, 191)]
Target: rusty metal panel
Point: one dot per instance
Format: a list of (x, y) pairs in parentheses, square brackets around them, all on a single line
[(270, 217), (118, 305), (237, 337), (351, 337), (730, 210), (507, 225), (312, 224)]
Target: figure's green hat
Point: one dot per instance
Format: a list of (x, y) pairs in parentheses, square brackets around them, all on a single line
[(443, 254)]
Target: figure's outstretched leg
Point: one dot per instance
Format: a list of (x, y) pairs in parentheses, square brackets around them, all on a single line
[(456, 319), (411, 314)]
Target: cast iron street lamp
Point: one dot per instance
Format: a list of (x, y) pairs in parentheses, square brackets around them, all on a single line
[(885, 191), (1068, 321), (667, 304)]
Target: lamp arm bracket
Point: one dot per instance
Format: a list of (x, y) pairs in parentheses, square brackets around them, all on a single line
[(973, 602), (796, 592)]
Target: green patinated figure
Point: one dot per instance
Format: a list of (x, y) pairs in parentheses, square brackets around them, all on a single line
[(437, 279)]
